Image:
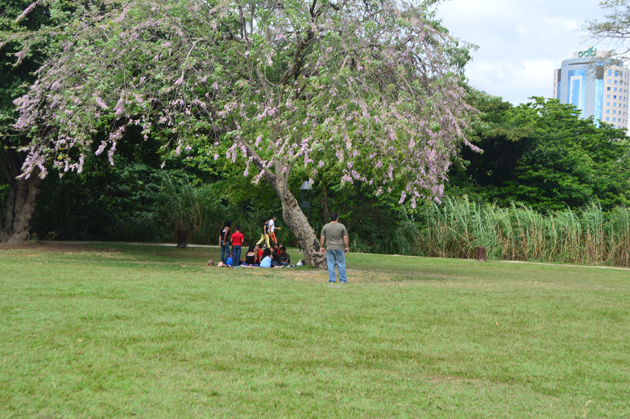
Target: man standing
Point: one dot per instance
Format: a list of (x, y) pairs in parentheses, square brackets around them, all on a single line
[(237, 242), (337, 245), (272, 229)]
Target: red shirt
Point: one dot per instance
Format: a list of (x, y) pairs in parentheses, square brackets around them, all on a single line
[(237, 239), (259, 255)]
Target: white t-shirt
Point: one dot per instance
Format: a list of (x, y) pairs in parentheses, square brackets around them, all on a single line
[(271, 226)]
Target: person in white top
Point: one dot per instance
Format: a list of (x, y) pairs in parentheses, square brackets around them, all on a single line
[(272, 229)]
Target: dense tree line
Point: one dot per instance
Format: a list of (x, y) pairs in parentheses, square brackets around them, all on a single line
[(370, 90), (126, 181)]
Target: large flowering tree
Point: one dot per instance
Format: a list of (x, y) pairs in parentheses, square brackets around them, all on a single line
[(371, 84)]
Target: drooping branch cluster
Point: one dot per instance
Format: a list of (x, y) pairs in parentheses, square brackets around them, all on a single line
[(366, 83)]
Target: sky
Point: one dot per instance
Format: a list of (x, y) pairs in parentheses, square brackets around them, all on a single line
[(520, 42)]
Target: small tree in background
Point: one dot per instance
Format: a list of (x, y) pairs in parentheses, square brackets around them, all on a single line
[(370, 85)]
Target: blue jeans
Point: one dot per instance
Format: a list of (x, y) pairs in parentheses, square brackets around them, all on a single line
[(236, 255), (336, 257), (225, 251)]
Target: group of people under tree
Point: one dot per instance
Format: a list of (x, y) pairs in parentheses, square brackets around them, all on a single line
[(334, 243), (271, 256)]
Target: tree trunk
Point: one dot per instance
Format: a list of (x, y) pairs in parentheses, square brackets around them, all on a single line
[(291, 211), (325, 202), (21, 202), (297, 222)]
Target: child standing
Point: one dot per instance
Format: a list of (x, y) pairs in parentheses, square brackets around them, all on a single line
[(237, 242)]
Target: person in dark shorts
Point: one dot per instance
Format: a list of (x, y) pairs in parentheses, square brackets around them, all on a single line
[(335, 235)]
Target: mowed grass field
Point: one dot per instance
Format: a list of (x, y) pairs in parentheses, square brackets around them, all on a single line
[(142, 331)]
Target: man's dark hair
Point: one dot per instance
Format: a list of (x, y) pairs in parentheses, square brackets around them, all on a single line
[(238, 228), (334, 216), (284, 249)]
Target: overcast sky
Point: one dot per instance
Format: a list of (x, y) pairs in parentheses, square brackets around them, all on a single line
[(520, 42)]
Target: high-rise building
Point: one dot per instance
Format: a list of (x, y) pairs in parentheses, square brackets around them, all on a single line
[(598, 87)]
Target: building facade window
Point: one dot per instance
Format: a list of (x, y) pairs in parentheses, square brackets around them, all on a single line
[(578, 84)]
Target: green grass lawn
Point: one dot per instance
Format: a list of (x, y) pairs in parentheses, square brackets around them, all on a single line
[(153, 332)]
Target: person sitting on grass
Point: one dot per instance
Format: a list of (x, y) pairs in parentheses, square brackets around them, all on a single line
[(259, 253), (229, 260), (250, 258), (275, 255), (285, 259), (266, 259)]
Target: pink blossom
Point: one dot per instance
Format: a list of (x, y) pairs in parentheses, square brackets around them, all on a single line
[(100, 103)]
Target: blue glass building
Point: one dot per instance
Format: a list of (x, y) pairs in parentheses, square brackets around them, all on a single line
[(596, 86)]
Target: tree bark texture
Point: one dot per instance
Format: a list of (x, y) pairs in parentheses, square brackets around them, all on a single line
[(297, 222), (21, 200)]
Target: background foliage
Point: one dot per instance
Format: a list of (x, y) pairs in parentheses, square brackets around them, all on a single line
[(540, 162), (549, 186)]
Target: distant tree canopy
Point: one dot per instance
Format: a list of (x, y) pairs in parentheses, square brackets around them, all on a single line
[(543, 154)]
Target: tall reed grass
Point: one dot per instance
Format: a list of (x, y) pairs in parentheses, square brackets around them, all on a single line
[(457, 227), (453, 229)]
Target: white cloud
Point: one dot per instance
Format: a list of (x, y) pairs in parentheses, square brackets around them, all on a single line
[(520, 43)]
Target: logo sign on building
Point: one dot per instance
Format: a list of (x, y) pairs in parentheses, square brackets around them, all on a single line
[(591, 52)]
